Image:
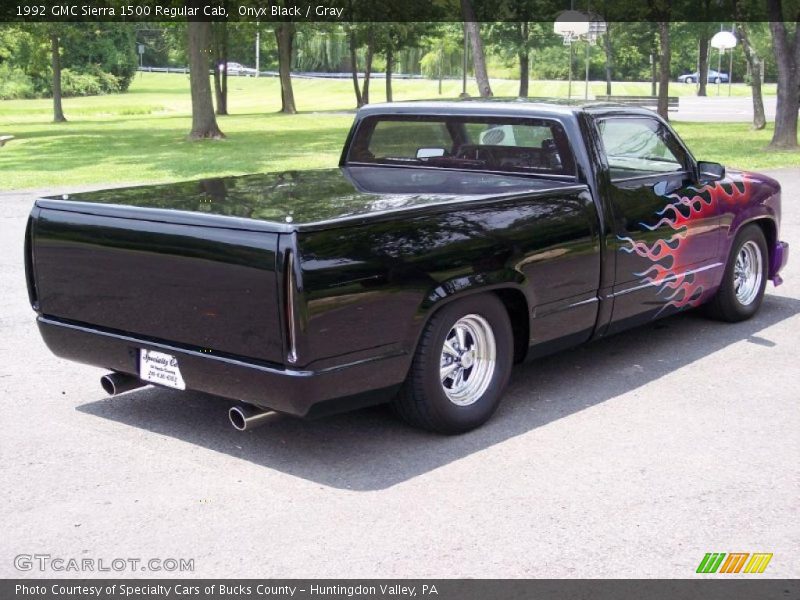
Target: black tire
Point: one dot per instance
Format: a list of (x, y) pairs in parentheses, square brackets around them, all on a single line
[(423, 402), (725, 305), (689, 80), (718, 80)]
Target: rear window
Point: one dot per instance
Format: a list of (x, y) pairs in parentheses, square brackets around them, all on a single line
[(537, 146)]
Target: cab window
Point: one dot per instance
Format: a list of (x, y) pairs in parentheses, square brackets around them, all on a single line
[(496, 144)]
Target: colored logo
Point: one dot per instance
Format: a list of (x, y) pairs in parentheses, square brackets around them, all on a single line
[(735, 562)]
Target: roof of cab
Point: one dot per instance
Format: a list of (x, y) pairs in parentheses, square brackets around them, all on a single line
[(500, 106)]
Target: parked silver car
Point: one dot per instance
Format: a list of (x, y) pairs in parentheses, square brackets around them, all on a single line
[(713, 77), (234, 68)]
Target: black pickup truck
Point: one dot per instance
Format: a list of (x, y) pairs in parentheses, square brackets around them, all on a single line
[(453, 240)]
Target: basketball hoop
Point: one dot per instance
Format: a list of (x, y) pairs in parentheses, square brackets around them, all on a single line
[(571, 25)]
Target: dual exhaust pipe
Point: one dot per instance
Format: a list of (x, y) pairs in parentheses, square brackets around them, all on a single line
[(243, 417), (117, 383)]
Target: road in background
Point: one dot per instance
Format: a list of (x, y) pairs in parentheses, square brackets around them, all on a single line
[(720, 108), (630, 457)]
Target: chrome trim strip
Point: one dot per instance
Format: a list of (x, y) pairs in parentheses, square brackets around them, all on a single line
[(670, 278)]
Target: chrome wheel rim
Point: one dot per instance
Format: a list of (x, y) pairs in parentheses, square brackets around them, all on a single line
[(468, 360), (747, 273)]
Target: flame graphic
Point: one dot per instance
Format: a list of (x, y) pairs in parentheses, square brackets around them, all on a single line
[(681, 218)]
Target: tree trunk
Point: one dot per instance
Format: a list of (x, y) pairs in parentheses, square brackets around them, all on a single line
[(354, 67), (702, 64), (663, 70), (524, 59), (368, 66), (58, 111), (220, 67), (478, 56), (759, 119), (204, 123), (284, 34), (389, 57), (653, 74), (524, 75), (609, 58), (787, 57)]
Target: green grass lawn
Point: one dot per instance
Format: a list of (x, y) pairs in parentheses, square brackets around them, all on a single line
[(139, 136)]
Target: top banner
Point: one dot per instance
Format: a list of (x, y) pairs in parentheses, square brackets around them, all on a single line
[(396, 11)]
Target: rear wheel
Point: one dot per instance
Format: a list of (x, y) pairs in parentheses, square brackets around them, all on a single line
[(461, 367), (689, 80), (742, 289)]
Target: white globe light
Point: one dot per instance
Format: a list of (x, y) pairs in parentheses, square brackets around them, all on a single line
[(723, 40)]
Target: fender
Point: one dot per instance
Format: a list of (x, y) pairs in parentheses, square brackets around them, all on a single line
[(460, 287)]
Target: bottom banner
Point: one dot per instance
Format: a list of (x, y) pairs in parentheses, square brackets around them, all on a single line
[(384, 589)]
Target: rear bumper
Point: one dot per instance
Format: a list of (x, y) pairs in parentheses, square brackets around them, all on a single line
[(778, 259), (296, 392)]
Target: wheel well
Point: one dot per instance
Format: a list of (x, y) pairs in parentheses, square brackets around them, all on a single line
[(517, 307), (770, 234)]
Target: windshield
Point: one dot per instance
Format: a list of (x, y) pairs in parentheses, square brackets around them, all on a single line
[(499, 144)]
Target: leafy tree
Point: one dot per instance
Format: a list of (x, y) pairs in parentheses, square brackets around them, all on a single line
[(390, 38), (361, 34), (519, 38), (759, 118), (204, 123), (220, 37), (284, 35), (786, 45), (55, 52), (473, 31)]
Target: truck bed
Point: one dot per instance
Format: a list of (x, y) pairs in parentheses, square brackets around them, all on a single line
[(298, 200), (200, 264)]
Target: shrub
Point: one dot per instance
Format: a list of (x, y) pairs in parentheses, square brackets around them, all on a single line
[(91, 82), (15, 84)]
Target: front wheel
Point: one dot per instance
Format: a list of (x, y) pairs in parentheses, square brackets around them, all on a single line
[(461, 367), (689, 80), (742, 289), (717, 80)]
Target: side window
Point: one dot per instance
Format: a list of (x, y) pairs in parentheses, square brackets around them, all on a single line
[(639, 146), (401, 139)]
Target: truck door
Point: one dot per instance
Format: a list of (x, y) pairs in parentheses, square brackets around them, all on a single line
[(666, 228)]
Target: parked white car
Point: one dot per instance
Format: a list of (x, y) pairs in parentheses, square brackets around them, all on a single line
[(234, 68)]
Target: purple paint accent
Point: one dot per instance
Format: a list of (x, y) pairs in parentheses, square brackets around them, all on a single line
[(778, 258)]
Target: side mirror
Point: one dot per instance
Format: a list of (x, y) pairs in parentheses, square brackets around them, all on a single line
[(430, 152), (711, 170)]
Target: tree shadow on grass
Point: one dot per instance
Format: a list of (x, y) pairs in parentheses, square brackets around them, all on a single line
[(371, 450), (167, 151)]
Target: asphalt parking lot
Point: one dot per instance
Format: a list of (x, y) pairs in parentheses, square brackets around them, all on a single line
[(723, 108), (630, 457)]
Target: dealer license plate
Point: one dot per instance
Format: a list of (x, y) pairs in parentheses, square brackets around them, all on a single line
[(160, 368)]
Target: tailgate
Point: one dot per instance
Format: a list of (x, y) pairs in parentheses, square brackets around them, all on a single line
[(208, 288)]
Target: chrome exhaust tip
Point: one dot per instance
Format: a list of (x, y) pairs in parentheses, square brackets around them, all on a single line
[(117, 383), (245, 417)]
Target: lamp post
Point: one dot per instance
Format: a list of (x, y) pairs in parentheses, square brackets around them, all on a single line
[(722, 41)]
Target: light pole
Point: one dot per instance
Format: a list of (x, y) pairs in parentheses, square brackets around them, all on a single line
[(258, 49), (464, 66)]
